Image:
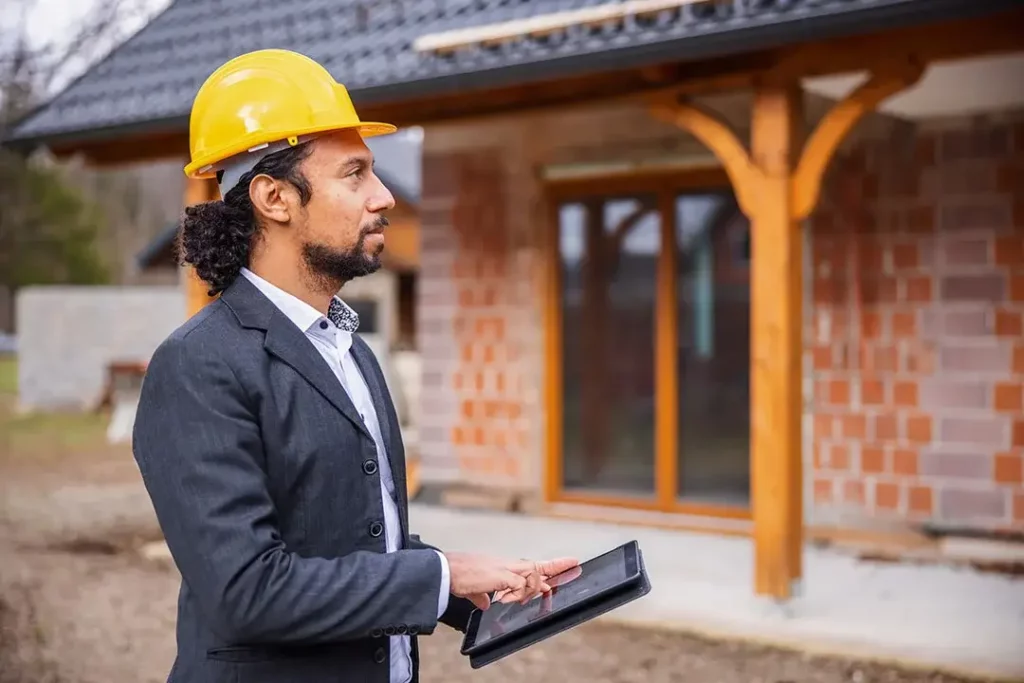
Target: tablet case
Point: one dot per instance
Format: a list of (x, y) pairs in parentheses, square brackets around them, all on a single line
[(566, 622)]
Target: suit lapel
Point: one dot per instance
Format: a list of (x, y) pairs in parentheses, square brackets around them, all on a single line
[(289, 344)]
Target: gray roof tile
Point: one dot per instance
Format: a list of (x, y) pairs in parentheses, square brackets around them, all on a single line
[(366, 44)]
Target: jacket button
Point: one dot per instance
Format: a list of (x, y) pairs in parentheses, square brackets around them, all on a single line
[(370, 466), (401, 629), (376, 633), (389, 631), (379, 656), (376, 529), (414, 629)]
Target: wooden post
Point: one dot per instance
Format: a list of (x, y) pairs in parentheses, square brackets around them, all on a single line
[(196, 192), (776, 193)]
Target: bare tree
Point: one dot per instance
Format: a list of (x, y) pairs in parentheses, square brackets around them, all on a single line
[(29, 73)]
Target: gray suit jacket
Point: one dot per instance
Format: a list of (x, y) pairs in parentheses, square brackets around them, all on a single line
[(259, 469)]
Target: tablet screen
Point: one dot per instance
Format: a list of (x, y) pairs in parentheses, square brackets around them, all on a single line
[(567, 589)]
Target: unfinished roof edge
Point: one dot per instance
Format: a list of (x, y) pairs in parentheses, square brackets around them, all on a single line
[(543, 24)]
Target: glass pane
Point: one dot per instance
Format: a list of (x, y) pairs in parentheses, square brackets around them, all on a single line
[(609, 252), (713, 285)]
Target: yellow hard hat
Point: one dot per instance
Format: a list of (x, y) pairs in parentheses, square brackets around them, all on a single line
[(266, 97)]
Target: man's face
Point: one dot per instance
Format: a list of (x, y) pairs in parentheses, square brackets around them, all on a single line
[(342, 232)]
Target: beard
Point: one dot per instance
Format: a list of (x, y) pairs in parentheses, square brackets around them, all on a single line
[(333, 267)]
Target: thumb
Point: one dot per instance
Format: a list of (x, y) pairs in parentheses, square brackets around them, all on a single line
[(481, 600)]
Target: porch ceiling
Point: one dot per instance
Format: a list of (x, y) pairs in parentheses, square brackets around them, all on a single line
[(958, 88)]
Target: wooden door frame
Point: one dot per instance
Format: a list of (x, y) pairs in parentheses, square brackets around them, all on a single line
[(664, 184)]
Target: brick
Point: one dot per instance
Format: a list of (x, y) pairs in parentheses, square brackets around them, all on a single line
[(839, 457), (1017, 439), (974, 430), (967, 252), (1018, 359), (905, 394), (975, 359), (972, 288), (837, 392), (854, 426), (1009, 323), (1008, 397), (1017, 288), (1018, 508), (824, 426), (905, 255), (920, 500), (881, 359), (886, 428), (1009, 250), (821, 357), (904, 462), (1008, 468), (944, 393), (919, 429), (904, 325), (1010, 178), (879, 290), (990, 214), (872, 460), (957, 465), (966, 504), (887, 496), (872, 392), (824, 490), (853, 491), (871, 325), (917, 289), (921, 219), (974, 323), (918, 358)]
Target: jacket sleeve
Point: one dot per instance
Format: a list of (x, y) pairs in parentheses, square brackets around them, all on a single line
[(198, 446), (459, 609)]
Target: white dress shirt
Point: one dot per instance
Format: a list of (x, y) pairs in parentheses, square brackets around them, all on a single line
[(334, 345)]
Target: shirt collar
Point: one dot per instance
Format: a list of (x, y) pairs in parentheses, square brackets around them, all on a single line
[(298, 311)]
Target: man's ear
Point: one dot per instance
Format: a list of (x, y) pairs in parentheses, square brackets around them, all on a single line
[(271, 199)]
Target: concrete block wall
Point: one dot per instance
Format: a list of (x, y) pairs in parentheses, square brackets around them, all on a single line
[(68, 335)]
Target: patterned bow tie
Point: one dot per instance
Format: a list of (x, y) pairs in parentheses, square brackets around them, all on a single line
[(341, 315)]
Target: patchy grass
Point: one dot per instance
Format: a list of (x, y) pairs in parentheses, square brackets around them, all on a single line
[(41, 435), (8, 376)]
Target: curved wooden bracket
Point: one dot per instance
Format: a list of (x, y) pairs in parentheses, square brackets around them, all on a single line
[(836, 125), (710, 129)]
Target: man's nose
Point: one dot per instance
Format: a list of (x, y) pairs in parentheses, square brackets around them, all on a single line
[(381, 199)]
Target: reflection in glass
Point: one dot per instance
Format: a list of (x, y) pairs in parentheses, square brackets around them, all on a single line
[(713, 289), (608, 252)]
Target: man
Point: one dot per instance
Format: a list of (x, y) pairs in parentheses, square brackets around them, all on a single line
[(265, 433)]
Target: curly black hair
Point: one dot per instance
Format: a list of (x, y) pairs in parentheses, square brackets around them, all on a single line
[(216, 237)]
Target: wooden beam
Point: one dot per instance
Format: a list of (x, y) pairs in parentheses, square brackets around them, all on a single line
[(197, 192), (776, 344), (777, 188)]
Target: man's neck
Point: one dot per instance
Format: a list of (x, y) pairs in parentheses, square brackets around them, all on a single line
[(292, 280)]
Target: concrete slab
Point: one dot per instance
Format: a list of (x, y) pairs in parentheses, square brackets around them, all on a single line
[(918, 615)]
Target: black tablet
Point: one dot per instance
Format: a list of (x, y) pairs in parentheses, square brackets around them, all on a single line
[(614, 572)]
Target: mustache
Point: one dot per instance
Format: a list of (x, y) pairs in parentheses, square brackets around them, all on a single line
[(376, 226)]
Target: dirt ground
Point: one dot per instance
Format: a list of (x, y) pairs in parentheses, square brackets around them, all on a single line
[(78, 604)]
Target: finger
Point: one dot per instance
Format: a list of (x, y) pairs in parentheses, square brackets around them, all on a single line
[(556, 566), (481, 600)]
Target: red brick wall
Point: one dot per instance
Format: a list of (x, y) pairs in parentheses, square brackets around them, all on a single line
[(918, 350)]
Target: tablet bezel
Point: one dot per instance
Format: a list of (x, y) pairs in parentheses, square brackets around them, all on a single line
[(630, 551)]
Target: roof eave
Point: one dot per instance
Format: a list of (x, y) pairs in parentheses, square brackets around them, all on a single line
[(829, 23)]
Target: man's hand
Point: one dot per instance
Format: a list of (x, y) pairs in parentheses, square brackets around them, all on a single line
[(475, 577)]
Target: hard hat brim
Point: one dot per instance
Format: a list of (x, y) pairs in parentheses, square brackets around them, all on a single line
[(366, 129)]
